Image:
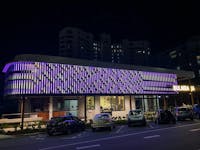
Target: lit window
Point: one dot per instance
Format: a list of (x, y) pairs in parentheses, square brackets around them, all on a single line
[(115, 103), (90, 103)]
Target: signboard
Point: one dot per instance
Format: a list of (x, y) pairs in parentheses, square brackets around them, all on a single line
[(184, 88)]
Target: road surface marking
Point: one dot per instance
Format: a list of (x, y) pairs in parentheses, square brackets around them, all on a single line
[(69, 138), (151, 126), (153, 136), (116, 136), (89, 146), (193, 130), (40, 138), (119, 129)]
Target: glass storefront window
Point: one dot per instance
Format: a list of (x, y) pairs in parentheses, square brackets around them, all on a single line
[(112, 103), (90, 103)]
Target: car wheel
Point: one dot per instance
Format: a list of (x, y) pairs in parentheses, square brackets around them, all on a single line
[(83, 128), (50, 133), (69, 131), (144, 122), (177, 119), (93, 129), (110, 128)]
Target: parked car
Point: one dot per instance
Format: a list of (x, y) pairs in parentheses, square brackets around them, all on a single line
[(196, 110), (102, 120), (164, 116), (136, 117), (66, 124), (183, 113)]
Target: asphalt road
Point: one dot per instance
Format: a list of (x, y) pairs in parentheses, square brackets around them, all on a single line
[(184, 135)]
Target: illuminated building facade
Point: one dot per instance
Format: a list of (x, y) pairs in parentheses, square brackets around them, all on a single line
[(84, 88)]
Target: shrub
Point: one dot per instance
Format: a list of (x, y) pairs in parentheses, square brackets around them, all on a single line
[(120, 122)]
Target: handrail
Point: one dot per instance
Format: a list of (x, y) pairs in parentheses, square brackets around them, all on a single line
[(17, 114), (18, 120)]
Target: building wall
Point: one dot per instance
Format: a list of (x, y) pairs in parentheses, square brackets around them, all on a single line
[(96, 110), (125, 112), (74, 42), (81, 107), (52, 78), (133, 103), (136, 52)]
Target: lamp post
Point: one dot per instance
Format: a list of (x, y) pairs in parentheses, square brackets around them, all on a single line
[(22, 112), (23, 98), (191, 95), (191, 88)]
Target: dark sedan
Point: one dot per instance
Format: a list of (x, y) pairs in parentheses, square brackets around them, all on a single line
[(165, 116), (66, 124)]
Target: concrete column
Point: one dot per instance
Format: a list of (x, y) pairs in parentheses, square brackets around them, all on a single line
[(146, 108), (158, 105), (97, 104), (127, 104), (85, 109), (155, 104), (133, 103), (50, 107), (27, 106), (81, 107), (146, 105), (165, 103)]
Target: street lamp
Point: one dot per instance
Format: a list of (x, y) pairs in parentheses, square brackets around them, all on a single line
[(23, 98)]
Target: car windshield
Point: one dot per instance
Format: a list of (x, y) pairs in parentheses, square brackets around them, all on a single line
[(135, 112), (61, 118), (182, 109), (101, 116)]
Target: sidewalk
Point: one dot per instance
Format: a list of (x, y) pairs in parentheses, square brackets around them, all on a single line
[(3, 136)]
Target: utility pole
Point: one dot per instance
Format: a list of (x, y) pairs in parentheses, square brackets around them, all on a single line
[(191, 94)]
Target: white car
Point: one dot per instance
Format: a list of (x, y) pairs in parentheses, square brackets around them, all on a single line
[(136, 117), (102, 120)]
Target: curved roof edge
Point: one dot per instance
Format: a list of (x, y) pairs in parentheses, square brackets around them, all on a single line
[(181, 74)]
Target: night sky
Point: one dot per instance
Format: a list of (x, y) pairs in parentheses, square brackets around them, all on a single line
[(33, 27)]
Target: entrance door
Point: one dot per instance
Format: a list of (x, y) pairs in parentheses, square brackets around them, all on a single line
[(71, 106)]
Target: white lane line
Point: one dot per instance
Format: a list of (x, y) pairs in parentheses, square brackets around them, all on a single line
[(40, 138), (89, 146), (116, 136), (119, 129), (69, 138), (193, 130), (151, 126), (152, 136)]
